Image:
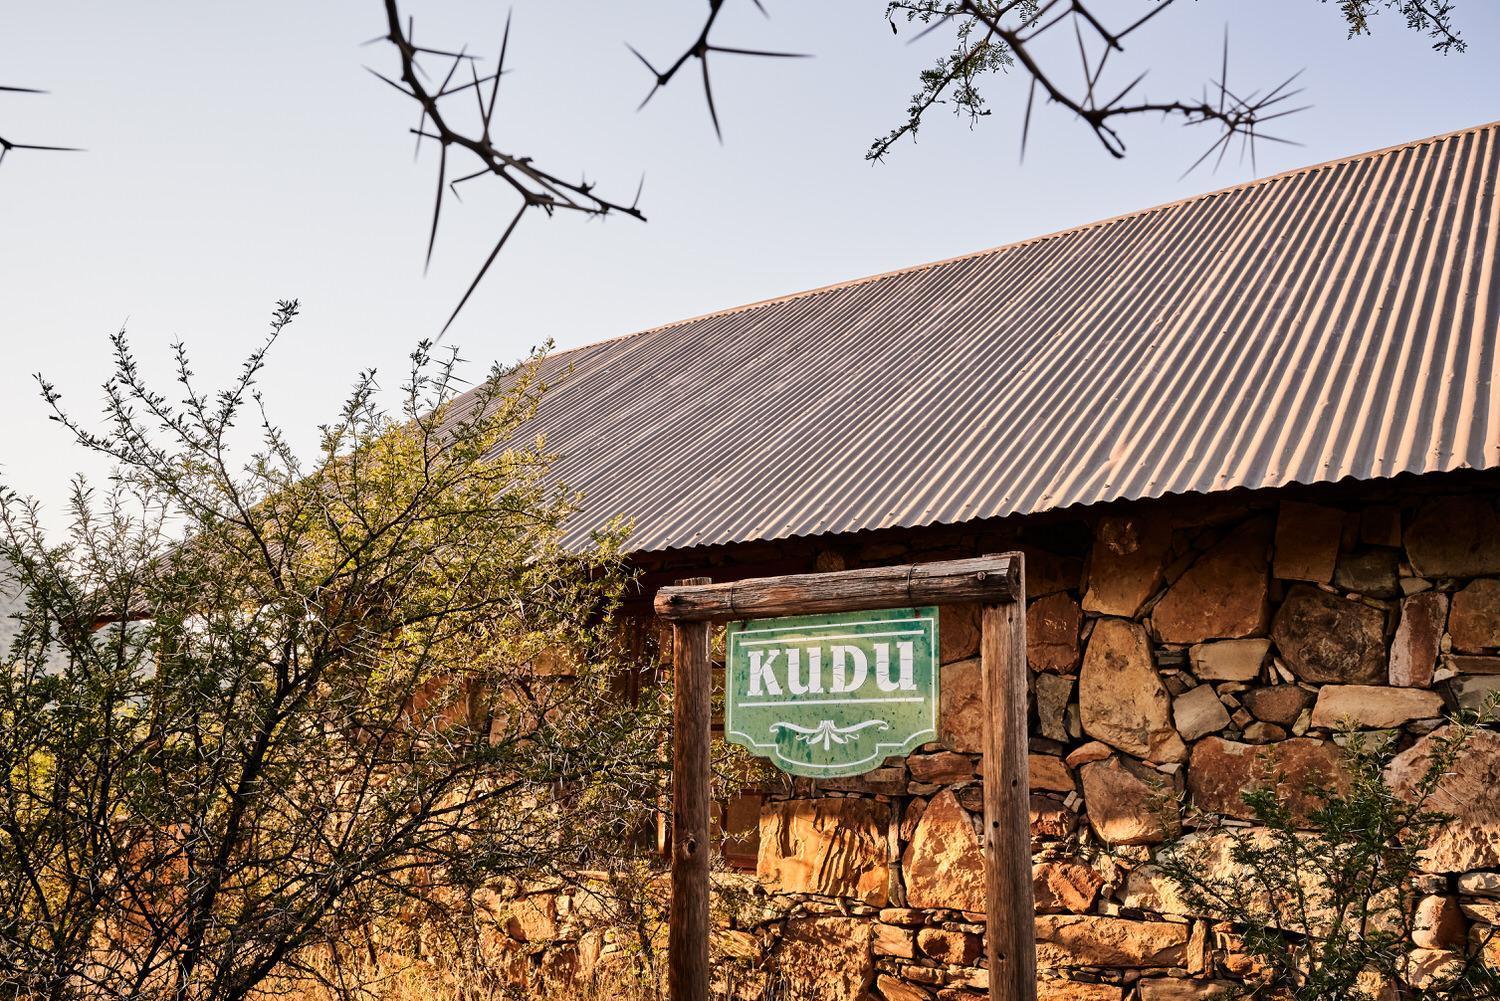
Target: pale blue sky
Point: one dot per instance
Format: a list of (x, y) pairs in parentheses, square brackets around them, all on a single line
[(240, 153)]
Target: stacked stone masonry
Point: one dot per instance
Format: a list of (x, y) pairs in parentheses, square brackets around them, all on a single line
[(1176, 649)]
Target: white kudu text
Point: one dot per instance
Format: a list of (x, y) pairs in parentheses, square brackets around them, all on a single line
[(802, 670)]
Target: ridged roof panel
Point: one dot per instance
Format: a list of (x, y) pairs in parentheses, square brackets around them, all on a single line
[(1337, 321)]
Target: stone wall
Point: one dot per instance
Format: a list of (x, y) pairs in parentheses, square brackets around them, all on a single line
[(1175, 648)]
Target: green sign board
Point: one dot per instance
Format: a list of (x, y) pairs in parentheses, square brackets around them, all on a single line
[(832, 695)]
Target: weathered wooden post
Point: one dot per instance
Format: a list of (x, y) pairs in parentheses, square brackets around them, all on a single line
[(1009, 934), (687, 922), (852, 745)]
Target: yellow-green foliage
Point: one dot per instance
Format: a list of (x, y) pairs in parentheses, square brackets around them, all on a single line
[(326, 694)]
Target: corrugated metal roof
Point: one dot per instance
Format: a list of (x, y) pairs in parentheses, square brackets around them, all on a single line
[(1341, 320)]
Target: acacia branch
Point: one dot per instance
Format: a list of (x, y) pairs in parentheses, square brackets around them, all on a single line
[(1014, 31), (700, 49), (6, 145), (536, 187)]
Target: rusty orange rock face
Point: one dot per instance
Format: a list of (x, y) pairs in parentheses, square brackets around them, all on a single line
[(1224, 594), (833, 847), (943, 864), (1220, 771)]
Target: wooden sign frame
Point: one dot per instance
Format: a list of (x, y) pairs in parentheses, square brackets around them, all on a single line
[(997, 582)]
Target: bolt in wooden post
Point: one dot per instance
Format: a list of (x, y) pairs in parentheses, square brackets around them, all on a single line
[(1010, 935), (687, 927)]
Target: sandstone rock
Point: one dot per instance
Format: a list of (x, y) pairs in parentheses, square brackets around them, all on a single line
[(1050, 820), (1065, 887), (559, 967), (892, 989), (942, 768), (1438, 924), (1380, 525), (961, 706), (943, 862), (1469, 793), (955, 947), (1221, 770), (905, 916), (1126, 563), (1228, 660), (1147, 889), (1376, 986), (1213, 856), (1429, 967), (1479, 884), (1303, 723), (1261, 732), (1454, 537), (1372, 573), (1048, 572), (1277, 704), (533, 918), (958, 632), (1173, 989), (1053, 693), (1485, 912), (1475, 693), (739, 945), (1373, 707), (1129, 804), (893, 940), (922, 975), (888, 780), (835, 847), (911, 817), (1414, 651), (1223, 594), (976, 979), (1198, 712), (1075, 990), (1048, 773), (1324, 637), (1475, 622), (1121, 697), (1484, 940), (1094, 750), (826, 957), (1307, 541), (1472, 665), (1052, 625), (1087, 940)]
